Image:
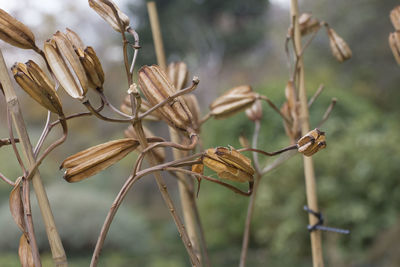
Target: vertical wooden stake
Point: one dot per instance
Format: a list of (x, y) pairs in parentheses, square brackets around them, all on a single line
[(311, 188), (57, 249), (157, 37)]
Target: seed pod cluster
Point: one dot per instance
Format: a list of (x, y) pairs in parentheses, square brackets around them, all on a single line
[(156, 87), (229, 164), (15, 32), (103, 8), (233, 101), (93, 160), (291, 110), (340, 50), (178, 74), (158, 152), (311, 143), (35, 82)]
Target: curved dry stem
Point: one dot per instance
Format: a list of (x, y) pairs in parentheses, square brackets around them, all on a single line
[(205, 118), (98, 115), (315, 96), (256, 133), (5, 179), (7, 141), (43, 135), (111, 106), (327, 112), (269, 153), (272, 105), (12, 140)]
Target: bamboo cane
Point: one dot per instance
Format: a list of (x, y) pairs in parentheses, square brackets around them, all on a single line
[(311, 188)]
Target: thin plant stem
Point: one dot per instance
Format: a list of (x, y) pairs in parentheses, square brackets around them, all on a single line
[(274, 107), (256, 133), (205, 118), (56, 246), (327, 112), (12, 140), (5, 179), (315, 96), (43, 135), (311, 189), (29, 222)]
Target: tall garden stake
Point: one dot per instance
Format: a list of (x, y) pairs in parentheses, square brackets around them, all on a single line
[(311, 190)]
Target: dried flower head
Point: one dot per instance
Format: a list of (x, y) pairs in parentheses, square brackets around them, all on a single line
[(88, 162), (156, 87), (15, 32), (229, 164), (312, 142), (109, 11), (395, 17), (233, 101), (340, 50), (394, 43), (254, 112), (35, 82), (65, 64), (158, 152)]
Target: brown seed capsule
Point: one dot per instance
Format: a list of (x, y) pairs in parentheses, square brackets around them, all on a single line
[(76, 41), (159, 152), (88, 162), (229, 164), (394, 43), (395, 17), (156, 87), (193, 104), (15, 32), (254, 112), (291, 110), (178, 74), (93, 68), (307, 24), (340, 50), (233, 101), (35, 82), (66, 66), (105, 11), (312, 142)]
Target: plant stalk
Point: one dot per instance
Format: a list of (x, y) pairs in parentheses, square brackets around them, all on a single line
[(57, 249), (311, 187)]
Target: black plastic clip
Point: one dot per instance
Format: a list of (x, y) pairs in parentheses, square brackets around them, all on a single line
[(319, 225)]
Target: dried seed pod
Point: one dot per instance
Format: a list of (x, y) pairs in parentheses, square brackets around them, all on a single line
[(340, 50), (394, 42), (156, 87), (307, 24), (158, 152), (15, 32), (193, 104), (291, 110), (17, 206), (35, 82), (178, 74), (25, 252), (76, 41), (229, 164), (106, 12), (312, 142), (233, 101), (145, 106), (65, 64), (93, 68), (254, 112), (97, 158), (395, 17)]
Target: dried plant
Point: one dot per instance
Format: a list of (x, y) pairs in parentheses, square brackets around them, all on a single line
[(161, 95)]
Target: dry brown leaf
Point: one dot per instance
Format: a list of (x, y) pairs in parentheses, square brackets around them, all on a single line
[(25, 252), (17, 206)]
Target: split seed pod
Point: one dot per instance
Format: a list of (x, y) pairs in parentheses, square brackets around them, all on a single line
[(15, 32), (233, 101), (127, 108), (340, 50), (156, 87), (90, 61), (106, 12), (178, 74), (35, 82), (229, 164), (193, 104), (93, 160), (312, 142), (66, 66), (395, 17), (158, 152), (307, 24), (394, 42), (254, 112)]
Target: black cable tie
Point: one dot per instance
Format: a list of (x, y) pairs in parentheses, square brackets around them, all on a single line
[(319, 225)]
